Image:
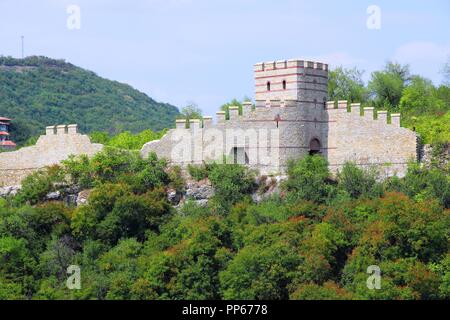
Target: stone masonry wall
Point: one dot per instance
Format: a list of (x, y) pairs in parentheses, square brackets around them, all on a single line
[(291, 106), (289, 113), (290, 119), (251, 132), (56, 145), (369, 142)]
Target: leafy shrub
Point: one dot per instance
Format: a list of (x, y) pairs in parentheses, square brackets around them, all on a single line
[(231, 184), (129, 141), (359, 182), (328, 291), (80, 171), (114, 212), (198, 172), (308, 179), (176, 179), (425, 184), (118, 166), (38, 184)]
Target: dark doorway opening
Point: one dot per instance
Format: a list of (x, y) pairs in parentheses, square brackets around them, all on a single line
[(314, 147)]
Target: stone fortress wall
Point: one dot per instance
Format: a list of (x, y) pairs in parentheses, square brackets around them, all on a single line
[(290, 119), (291, 104), (56, 145), (354, 135)]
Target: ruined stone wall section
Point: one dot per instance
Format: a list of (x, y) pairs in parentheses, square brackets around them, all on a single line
[(345, 134), (56, 145), (291, 103), (291, 98), (368, 141), (204, 141)]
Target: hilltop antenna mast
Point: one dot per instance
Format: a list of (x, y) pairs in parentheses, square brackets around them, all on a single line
[(22, 46)]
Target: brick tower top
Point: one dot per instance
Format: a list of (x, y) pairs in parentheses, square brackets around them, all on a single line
[(299, 80)]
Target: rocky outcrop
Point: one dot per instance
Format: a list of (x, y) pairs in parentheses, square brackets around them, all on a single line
[(82, 197), (71, 195), (198, 191), (267, 187), (53, 196), (438, 157), (201, 191), (9, 191)]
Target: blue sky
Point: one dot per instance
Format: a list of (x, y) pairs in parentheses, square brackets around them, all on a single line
[(203, 51)]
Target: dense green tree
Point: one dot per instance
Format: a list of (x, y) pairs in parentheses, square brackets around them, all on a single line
[(419, 97), (188, 264), (359, 182), (132, 216), (265, 265), (258, 273), (425, 184), (327, 291), (231, 184), (16, 267), (308, 179), (346, 84), (387, 86), (121, 265), (37, 185), (191, 111)]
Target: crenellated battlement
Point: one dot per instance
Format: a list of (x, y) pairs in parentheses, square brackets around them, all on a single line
[(291, 105), (58, 143), (287, 64), (61, 129), (291, 118), (295, 79), (333, 107), (369, 112)]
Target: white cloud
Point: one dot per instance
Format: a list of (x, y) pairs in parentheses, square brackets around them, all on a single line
[(425, 58)]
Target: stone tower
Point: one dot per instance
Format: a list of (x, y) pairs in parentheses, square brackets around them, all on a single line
[(290, 119), (296, 92), (297, 80)]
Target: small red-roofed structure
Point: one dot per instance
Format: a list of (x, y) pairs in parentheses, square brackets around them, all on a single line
[(5, 142)]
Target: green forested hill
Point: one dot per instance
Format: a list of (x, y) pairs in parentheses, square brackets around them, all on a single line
[(38, 91)]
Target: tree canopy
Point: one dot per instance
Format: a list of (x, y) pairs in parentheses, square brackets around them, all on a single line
[(37, 92), (313, 240)]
